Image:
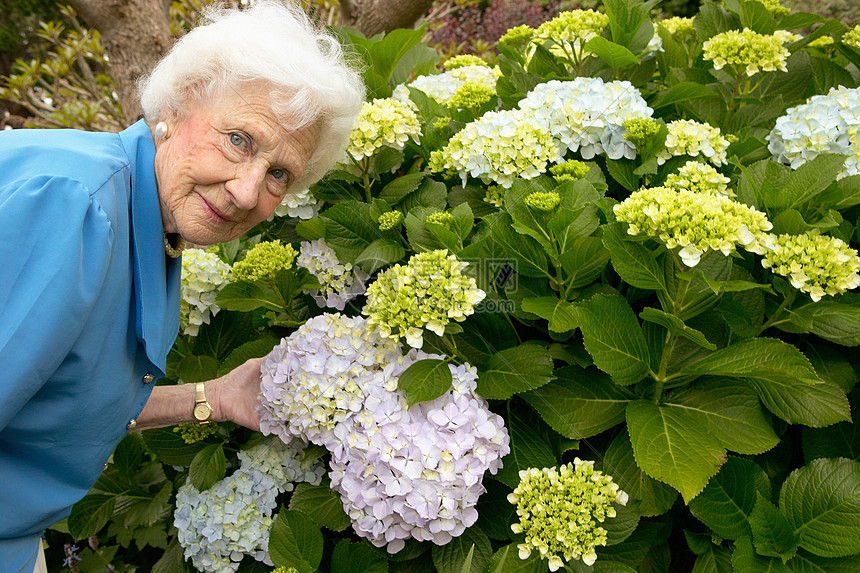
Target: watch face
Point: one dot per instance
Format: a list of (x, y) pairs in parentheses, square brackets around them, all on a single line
[(202, 411)]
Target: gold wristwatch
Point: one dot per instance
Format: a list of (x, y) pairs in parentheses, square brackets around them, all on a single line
[(202, 408)]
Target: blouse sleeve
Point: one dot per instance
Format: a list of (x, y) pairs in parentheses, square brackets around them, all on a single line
[(55, 246)]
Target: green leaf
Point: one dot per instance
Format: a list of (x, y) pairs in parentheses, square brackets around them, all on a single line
[(799, 20), (170, 448), (208, 466), (295, 541), (569, 224), (245, 297), (832, 365), (90, 515), (816, 406), (615, 55), (507, 560), (378, 254), (471, 549), (580, 403), (515, 370), (356, 558), (420, 238), (806, 563), (401, 186), (425, 380), (635, 264), (349, 228), (226, 331), (715, 559), (193, 369), (527, 256), (757, 18), (172, 560), (622, 170), (613, 338), (671, 446), (822, 503), (656, 498), (321, 504), (584, 261), (810, 179), (146, 509), (837, 441), (744, 559), (675, 326), (772, 535), (528, 450), (558, 312), (252, 349), (680, 92), (732, 412), (311, 229), (727, 502), (833, 321)]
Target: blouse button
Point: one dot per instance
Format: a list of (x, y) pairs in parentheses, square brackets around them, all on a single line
[(131, 425), (148, 378)]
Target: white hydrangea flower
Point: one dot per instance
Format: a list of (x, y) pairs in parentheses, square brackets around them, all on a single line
[(417, 472), (688, 137), (300, 205), (387, 122), (339, 282), (442, 87), (219, 526), (587, 114), (203, 276), (824, 124)]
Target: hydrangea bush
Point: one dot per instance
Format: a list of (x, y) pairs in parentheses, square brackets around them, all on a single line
[(591, 306)]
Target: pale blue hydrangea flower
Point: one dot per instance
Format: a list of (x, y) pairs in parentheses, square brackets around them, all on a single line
[(587, 114), (559, 511), (816, 264), (694, 222), (428, 292), (203, 276), (283, 462), (824, 124), (339, 282), (417, 472), (688, 137), (442, 87)]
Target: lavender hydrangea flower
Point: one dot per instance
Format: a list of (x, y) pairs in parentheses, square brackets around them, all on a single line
[(339, 282)]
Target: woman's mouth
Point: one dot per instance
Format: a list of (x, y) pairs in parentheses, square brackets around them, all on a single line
[(214, 213)]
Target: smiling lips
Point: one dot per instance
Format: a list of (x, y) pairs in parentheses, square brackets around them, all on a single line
[(216, 215)]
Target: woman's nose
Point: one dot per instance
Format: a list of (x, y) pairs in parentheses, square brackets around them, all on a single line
[(245, 186)]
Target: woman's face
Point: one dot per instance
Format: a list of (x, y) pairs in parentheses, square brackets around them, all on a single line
[(226, 167)]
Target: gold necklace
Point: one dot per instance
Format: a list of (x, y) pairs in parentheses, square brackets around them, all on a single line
[(173, 252)]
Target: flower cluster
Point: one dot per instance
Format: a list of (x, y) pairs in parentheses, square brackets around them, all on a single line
[(775, 8), (701, 178), (388, 122), (587, 114), (428, 291), (543, 200), (389, 220), (679, 26), (815, 264), (499, 146), (518, 35), (264, 260), (219, 526), (748, 50), (696, 222), (443, 218), (300, 204), (471, 96), (571, 30), (463, 60), (495, 195), (559, 511), (824, 124), (442, 87), (401, 472), (203, 276), (639, 130), (339, 282), (193, 432), (852, 37), (569, 170), (688, 137)]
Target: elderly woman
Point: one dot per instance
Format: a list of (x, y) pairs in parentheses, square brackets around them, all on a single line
[(252, 106)]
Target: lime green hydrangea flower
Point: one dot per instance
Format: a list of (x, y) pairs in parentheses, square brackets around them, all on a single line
[(569, 170), (559, 511), (572, 29), (543, 200), (775, 8), (264, 260), (688, 137), (640, 129), (389, 220), (471, 96), (679, 26), (700, 178), (852, 37), (439, 218), (441, 123), (750, 51), (495, 195), (192, 432), (442, 87), (816, 264), (463, 60), (695, 222), (285, 569), (428, 291), (388, 122), (204, 274), (517, 35)]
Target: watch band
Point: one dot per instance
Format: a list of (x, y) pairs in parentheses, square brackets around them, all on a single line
[(202, 409)]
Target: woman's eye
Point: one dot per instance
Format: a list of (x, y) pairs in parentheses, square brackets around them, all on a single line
[(238, 140), (278, 174)]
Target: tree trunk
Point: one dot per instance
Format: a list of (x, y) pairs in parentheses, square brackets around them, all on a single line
[(374, 16), (135, 34)]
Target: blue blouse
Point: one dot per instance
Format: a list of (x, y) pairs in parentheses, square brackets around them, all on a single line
[(89, 309)]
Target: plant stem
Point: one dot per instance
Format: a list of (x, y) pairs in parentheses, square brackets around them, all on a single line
[(789, 298)]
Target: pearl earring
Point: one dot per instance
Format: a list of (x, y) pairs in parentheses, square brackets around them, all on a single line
[(160, 129)]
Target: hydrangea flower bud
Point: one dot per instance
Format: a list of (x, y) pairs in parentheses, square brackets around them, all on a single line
[(203, 276), (339, 282), (775, 8), (852, 37), (463, 60), (495, 195), (699, 178), (815, 264), (389, 220), (427, 292), (543, 200), (192, 432), (569, 170), (264, 260), (750, 51), (572, 29), (695, 222), (559, 511), (471, 96), (517, 35), (679, 26), (688, 137), (640, 129), (443, 218), (388, 122)]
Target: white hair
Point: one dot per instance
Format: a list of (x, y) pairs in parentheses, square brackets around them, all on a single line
[(310, 78)]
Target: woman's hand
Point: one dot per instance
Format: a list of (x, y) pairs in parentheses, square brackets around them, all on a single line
[(234, 396)]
